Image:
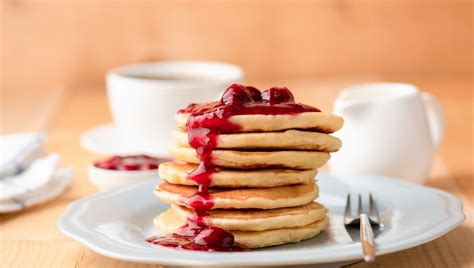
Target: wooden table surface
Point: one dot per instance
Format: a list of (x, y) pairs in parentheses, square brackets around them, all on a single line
[(30, 238)]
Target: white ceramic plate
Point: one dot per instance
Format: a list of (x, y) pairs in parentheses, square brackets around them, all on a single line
[(107, 140), (115, 224)]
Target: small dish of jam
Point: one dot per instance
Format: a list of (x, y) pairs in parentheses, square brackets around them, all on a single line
[(123, 170)]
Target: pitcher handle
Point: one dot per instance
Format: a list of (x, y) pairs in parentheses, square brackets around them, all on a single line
[(435, 114)]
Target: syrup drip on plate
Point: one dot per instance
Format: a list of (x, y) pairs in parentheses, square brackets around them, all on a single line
[(205, 123)]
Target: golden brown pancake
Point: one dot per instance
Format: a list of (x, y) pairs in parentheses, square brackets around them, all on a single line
[(289, 139), (168, 222), (176, 173), (261, 198), (322, 122), (258, 219), (256, 159)]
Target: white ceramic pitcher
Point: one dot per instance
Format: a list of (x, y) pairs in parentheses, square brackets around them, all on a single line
[(390, 129)]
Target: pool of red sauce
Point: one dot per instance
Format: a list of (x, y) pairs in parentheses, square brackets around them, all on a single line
[(205, 123), (130, 163)]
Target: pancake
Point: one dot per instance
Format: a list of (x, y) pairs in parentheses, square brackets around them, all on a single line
[(176, 173), (289, 139), (259, 198), (256, 159), (258, 219), (167, 222), (323, 122)]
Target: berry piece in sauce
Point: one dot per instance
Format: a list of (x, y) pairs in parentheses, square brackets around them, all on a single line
[(277, 95), (238, 94), (214, 237), (255, 93)]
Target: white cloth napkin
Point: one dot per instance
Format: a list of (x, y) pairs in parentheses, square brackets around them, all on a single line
[(17, 151), (59, 182), (29, 176)]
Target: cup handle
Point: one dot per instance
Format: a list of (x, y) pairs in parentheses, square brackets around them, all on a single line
[(435, 115)]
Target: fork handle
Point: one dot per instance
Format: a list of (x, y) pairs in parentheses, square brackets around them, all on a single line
[(367, 238)]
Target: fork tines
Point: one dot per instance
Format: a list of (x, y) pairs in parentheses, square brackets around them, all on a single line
[(373, 213)]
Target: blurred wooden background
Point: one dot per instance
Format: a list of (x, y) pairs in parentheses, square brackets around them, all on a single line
[(53, 44)]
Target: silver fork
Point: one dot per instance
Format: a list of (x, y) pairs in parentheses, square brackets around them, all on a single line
[(365, 223)]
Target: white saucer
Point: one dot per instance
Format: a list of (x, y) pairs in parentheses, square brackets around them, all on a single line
[(107, 140), (411, 215)]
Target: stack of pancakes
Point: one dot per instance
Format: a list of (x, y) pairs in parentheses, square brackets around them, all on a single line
[(264, 189)]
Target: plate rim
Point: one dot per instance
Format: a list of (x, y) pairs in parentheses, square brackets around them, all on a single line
[(72, 230)]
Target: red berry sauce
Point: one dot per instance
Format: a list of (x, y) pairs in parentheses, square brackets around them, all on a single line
[(205, 123), (130, 163), (209, 239)]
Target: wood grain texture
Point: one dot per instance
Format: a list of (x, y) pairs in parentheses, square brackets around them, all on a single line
[(52, 43), (31, 239)]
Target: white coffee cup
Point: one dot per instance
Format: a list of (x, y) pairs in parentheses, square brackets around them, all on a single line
[(144, 98), (390, 129)]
